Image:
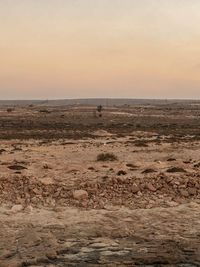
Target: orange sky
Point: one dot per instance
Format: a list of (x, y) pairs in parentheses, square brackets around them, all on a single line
[(99, 48)]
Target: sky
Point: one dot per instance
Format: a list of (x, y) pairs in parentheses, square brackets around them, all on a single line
[(52, 49)]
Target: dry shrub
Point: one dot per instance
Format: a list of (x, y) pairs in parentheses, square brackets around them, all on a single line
[(106, 157)]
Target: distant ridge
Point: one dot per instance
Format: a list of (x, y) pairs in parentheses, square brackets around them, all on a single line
[(95, 101)]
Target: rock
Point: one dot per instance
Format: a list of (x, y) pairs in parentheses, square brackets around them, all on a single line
[(29, 209), (91, 168), (36, 191), (192, 191), (51, 255), (184, 193), (121, 172), (46, 166), (80, 194), (169, 179), (111, 207), (150, 187), (47, 181), (17, 208), (172, 203), (197, 165), (135, 188), (2, 150), (139, 193)]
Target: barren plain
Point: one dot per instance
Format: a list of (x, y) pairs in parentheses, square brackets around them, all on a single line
[(77, 189)]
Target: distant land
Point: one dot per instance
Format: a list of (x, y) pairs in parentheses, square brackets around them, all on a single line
[(97, 101)]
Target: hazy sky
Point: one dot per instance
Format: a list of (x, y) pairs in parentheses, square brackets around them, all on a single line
[(99, 48)]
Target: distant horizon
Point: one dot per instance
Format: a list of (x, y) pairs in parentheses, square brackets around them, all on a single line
[(99, 98)]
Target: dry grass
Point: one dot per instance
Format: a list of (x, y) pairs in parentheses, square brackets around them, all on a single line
[(106, 157)]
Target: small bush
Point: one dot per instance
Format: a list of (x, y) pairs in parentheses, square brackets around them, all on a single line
[(10, 110), (44, 111), (106, 157), (175, 169), (141, 143)]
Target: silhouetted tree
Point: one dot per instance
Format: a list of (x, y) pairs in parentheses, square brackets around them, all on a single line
[(99, 109)]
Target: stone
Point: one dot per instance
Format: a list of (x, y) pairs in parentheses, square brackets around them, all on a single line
[(172, 203), (121, 172), (16, 208), (29, 209), (51, 255), (169, 179), (47, 181), (80, 194), (135, 188), (192, 191), (184, 193), (150, 187)]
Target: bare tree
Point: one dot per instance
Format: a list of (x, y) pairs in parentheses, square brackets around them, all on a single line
[(99, 109)]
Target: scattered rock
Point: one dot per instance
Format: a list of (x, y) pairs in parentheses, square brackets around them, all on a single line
[(187, 161), (46, 166), (121, 172), (91, 168), (150, 187), (169, 179), (172, 203), (192, 191), (135, 188), (2, 150), (29, 209), (51, 255), (197, 165), (47, 181), (80, 194), (184, 193), (16, 208)]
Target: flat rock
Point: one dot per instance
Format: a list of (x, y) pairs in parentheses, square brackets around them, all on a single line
[(150, 187), (80, 194), (16, 208)]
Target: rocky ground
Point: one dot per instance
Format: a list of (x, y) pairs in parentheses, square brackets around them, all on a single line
[(64, 204)]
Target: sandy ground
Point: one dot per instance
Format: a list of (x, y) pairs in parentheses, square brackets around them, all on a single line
[(60, 206)]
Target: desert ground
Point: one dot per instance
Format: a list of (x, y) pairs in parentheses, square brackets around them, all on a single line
[(122, 189)]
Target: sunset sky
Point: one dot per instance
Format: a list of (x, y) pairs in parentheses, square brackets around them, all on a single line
[(99, 48)]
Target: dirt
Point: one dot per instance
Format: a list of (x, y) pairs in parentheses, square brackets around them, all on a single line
[(61, 206)]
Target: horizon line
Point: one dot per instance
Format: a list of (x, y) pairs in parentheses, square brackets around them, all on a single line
[(99, 98)]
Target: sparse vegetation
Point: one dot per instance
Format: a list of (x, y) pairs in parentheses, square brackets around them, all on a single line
[(99, 109), (44, 111), (107, 157), (9, 110), (149, 170), (141, 143), (175, 169)]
